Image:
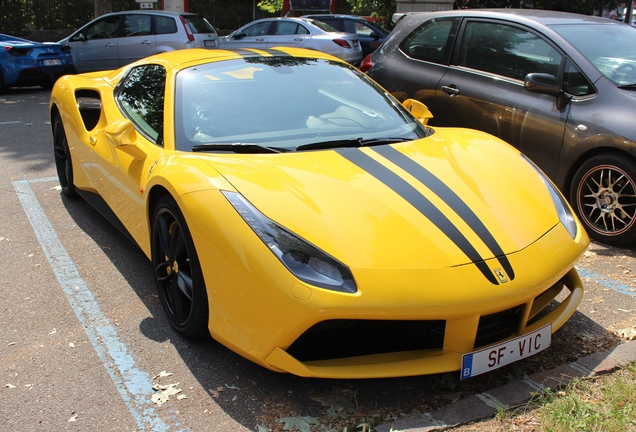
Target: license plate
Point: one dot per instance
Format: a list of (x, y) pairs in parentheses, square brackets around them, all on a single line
[(494, 357), (52, 62), (210, 43)]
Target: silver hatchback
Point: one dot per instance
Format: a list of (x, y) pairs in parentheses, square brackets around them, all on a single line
[(116, 39)]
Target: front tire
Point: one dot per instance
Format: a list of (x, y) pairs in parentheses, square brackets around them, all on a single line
[(603, 195), (63, 162), (177, 271)]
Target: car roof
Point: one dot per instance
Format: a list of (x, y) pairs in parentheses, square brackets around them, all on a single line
[(544, 17), (152, 12)]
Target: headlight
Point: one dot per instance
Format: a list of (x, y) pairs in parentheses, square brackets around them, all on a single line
[(304, 260), (562, 207)]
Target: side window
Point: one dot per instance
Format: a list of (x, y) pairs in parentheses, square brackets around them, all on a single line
[(104, 29), (506, 50), (432, 41), (336, 24), (258, 29), (141, 97), (137, 25), (165, 25), (574, 82), (286, 28), (358, 28)]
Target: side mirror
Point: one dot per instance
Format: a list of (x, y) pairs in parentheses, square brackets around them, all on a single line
[(78, 38), (543, 83), (123, 136), (375, 36), (419, 110), (239, 36)]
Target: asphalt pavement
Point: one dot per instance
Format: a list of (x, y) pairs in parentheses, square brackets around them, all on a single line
[(84, 344)]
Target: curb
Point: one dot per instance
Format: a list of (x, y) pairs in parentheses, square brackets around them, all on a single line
[(484, 405)]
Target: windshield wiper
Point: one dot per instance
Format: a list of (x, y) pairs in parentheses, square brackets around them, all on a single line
[(350, 142), (237, 147), (628, 87)]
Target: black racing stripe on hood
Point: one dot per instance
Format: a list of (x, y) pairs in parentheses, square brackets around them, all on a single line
[(451, 198), (420, 202)]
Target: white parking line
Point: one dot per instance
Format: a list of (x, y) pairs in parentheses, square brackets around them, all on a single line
[(133, 385), (10, 122)]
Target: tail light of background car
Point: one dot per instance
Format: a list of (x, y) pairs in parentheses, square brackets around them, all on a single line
[(18, 51), (187, 28), (343, 43), (366, 64)]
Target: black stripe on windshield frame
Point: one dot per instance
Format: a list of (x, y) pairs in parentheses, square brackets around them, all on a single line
[(447, 195), (420, 203)]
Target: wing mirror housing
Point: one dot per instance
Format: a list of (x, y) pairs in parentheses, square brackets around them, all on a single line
[(543, 83), (123, 136), (419, 110)]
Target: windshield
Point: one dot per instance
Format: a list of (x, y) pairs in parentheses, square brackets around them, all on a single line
[(283, 103), (610, 47)]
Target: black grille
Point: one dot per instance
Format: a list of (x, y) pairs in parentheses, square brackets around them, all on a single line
[(498, 326), (351, 338)]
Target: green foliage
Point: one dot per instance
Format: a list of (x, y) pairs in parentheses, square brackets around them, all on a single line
[(271, 6)]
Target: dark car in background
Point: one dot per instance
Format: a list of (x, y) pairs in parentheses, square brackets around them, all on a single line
[(116, 39), (24, 63), (370, 34), (560, 87)]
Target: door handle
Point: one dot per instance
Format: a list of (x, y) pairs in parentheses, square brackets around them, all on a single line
[(109, 45), (260, 39), (146, 42), (451, 90)]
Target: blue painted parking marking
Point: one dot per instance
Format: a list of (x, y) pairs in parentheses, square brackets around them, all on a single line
[(133, 385), (607, 282)]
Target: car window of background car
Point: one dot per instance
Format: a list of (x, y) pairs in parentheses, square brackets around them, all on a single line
[(357, 28), (611, 48), (258, 29), (106, 28), (432, 41), (575, 82), (323, 26), (165, 25), (506, 50), (289, 28), (141, 97), (199, 24), (137, 25)]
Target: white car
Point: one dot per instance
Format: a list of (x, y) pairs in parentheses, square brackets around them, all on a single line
[(295, 32), (116, 39)]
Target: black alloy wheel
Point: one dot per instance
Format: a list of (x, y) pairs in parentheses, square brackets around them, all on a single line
[(62, 156), (604, 197), (178, 272)]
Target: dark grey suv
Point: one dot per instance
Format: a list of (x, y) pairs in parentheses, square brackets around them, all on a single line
[(560, 87)]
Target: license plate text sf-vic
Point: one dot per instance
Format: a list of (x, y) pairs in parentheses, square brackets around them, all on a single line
[(494, 357)]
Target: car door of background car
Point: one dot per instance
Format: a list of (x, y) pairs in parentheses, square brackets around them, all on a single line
[(95, 47), (255, 36), (137, 40), (483, 89), (427, 52), (288, 33)]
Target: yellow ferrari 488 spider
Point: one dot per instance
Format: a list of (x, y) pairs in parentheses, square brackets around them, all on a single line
[(308, 221)]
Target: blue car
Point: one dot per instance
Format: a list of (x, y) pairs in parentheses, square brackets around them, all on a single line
[(24, 63)]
